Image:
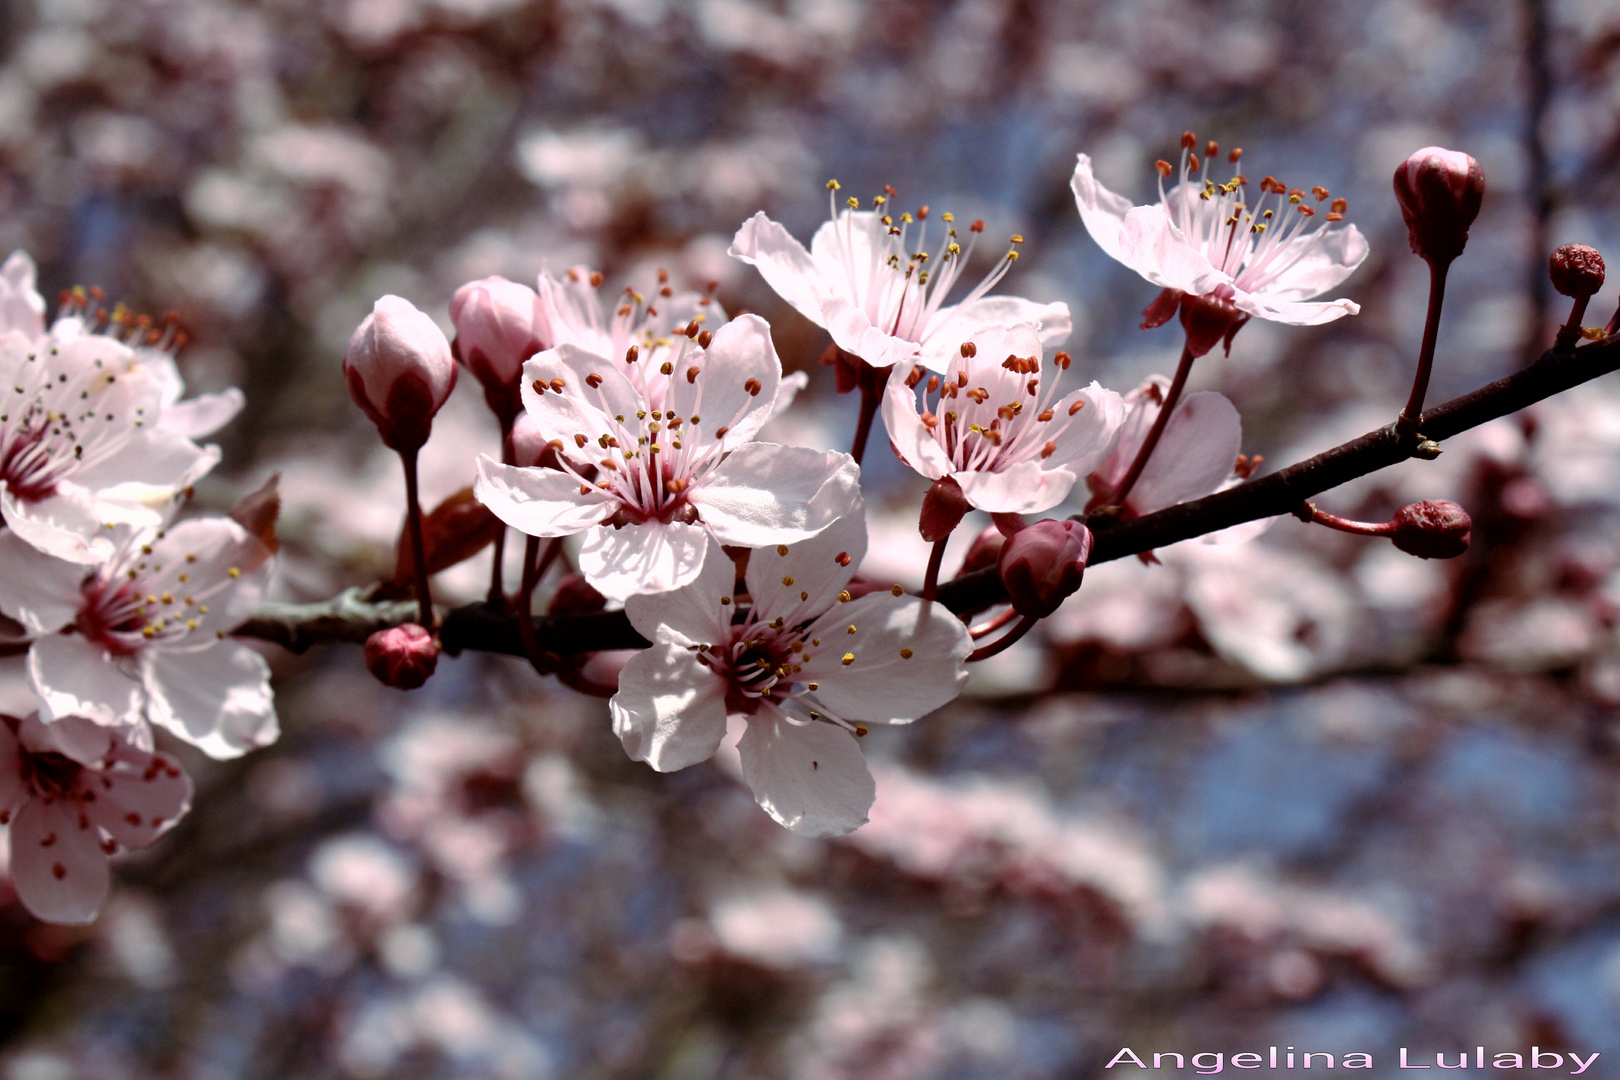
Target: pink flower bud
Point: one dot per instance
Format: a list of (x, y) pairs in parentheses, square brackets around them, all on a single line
[(1576, 270), (1435, 529), (402, 657), (1042, 565), (399, 371), (984, 552), (1439, 191), (497, 328), (942, 509), (531, 446)]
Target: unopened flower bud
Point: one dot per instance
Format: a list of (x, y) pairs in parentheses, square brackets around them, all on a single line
[(1210, 319), (1576, 270), (1434, 529), (400, 371), (942, 509), (1439, 191), (1042, 565), (531, 445), (402, 657), (496, 330), (985, 551), (575, 596)]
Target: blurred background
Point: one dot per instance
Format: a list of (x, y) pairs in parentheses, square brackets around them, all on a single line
[(1305, 791)]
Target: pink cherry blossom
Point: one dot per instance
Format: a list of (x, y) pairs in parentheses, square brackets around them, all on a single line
[(874, 284), (400, 371), (995, 423), (75, 792), (806, 666), (1195, 455), (654, 461), (496, 331), (144, 633), (1267, 256)]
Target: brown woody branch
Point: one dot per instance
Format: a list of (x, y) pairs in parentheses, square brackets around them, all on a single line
[(476, 627)]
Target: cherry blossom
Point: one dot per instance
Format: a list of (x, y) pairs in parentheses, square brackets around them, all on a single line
[(806, 665), (1267, 257), (996, 424), (144, 633), (74, 792), (871, 281), (1195, 456), (655, 461)]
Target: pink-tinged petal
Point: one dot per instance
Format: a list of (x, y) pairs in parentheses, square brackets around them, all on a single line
[(649, 558), (1195, 454), (1025, 488), (204, 414), (1083, 439), (138, 485), (1297, 312), (670, 710), (76, 737), (806, 577), (811, 778), (57, 862), (540, 502), (912, 440), (908, 659), (692, 614), (219, 555), (62, 526), (139, 797), (783, 262), (1315, 262), (954, 325), (21, 307), (735, 388), (11, 770), (73, 676), (570, 403), (768, 494), (36, 589), (218, 699), (1101, 211), (789, 389), (853, 332), (1157, 250)]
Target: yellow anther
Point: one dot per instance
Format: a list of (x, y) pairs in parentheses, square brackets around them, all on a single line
[(906, 654), (234, 572), (787, 580), (849, 658), (896, 590), (843, 597), (833, 185)]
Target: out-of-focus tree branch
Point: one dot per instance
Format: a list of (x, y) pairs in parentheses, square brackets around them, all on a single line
[(348, 617)]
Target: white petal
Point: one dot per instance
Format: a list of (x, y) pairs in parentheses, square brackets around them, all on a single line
[(73, 676), (218, 699), (21, 307), (57, 863), (1325, 258), (811, 777), (1195, 454), (670, 710), (540, 502), (1153, 247), (806, 577), (1084, 439), (881, 684), (741, 352), (76, 737), (1101, 211), (36, 589), (140, 796), (768, 494), (204, 414), (1297, 312), (956, 324), (692, 614), (1028, 487), (787, 390), (854, 333), (578, 406), (649, 558), (783, 262), (62, 526), (912, 440)]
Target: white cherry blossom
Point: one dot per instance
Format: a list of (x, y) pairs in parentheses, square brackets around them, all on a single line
[(144, 633), (654, 461), (1267, 255), (806, 665), (996, 424), (75, 792), (878, 284)]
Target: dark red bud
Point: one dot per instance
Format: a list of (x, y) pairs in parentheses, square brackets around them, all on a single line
[(1434, 529), (1209, 320), (575, 596), (402, 657), (985, 551), (1576, 270), (1042, 565), (1440, 192), (942, 510)]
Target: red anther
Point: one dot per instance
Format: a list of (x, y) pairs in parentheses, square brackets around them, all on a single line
[(1576, 270), (596, 279), (1433, 529), (1339, 206), (1439, 192), (704, 339), (753, 387), (632, 354), (1320, 192), (969, 350), (403, 657), (977, 226), (1188, 140), (1235, 154), (1042, 565), (1192, 164), (922, 212), (1162, 167), (1212, 148)]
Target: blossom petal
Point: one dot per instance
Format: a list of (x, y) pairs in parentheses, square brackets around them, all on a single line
[(73, 676), (768, 494), (140, 797), (670, 710), (956, 324), (62, 526), (1101, 211), (204, 414), (21, 307), (783, 262), (1317, 261), (1297, 312), (1157, 250), (218, 698), (36, 589), (804, 579), (1027, 487), (1084, 438), (853, 332), (909, 659), (740, 356), (1195, 454), (540, 502), (913, 442), (692, 614), (571, 403), (812, 778), (648, 558), (57, 862)]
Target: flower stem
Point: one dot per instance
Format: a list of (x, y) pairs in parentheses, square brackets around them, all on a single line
[(1412, 415), (1171, 398), (931, 578), (535, 566), (872, 381), (413, 522), (497, 587), (992, 625), (1308, 513), (1007, 640), (1570, 332)]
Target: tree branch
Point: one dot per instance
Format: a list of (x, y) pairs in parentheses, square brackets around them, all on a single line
[(476, 627)]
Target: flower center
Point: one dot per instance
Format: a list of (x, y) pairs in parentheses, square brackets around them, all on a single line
[(54, 421), (145, 597), (1007, 419)]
